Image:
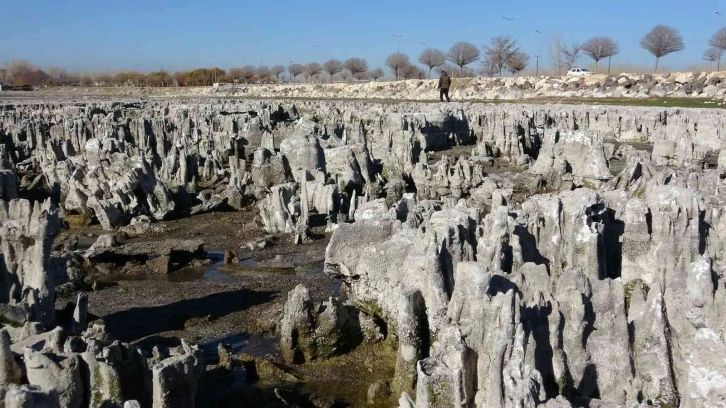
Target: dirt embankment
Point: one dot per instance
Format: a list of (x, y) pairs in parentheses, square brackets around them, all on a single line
[(687, 85)]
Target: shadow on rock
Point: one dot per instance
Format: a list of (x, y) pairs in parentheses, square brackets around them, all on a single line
[(137, 323)]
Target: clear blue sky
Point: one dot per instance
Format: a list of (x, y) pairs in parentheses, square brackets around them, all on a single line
[(149, 34)]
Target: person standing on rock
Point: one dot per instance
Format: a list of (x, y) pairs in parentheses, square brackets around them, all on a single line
[(444, 85)]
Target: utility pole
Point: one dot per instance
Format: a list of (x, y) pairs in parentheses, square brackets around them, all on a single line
[(510, 19), (541, 40), (214, 70), (288, 71), (138, 70), (321, 64), (398, 37)]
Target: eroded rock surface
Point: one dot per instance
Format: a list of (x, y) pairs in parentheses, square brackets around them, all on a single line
[(552, 255)]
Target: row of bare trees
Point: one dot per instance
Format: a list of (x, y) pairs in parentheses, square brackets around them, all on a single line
[(501, 54), (24, 73), (352, 68)]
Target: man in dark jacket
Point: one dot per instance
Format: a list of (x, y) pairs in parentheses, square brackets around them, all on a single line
[(444, 85)]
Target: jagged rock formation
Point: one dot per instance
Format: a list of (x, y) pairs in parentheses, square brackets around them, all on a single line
[(573, 153), (309, 331), (557, 254), (608, 295), (42, 364), (115, 162), (27, 232)]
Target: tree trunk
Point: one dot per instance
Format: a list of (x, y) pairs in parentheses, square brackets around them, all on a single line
[(596, 66), (656, 63), (461, 71), (429, 76), (718, 64), (609, 58)]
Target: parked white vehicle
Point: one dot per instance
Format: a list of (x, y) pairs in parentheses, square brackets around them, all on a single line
[(579, 72)]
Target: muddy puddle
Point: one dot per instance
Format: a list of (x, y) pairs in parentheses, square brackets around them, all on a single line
[(252, 345)]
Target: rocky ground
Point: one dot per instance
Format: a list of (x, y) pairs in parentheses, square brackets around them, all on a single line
[(239, 252), (705, 86), (217, 303)]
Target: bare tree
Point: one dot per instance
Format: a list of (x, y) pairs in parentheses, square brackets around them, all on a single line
[(235, 74), (450, 69), (60, 76), (376, 74), (501, 49), (570, 55), (277, 70), (611, 48), (411, 71), (556, 53), (295, 70), (431, 57), (488, 69), (661, 41), (332, 67), (397, 61), (517, 62), (462, 54), (248, 71), (713, 54), (20, 67), (718, 41), (313, 69), (345, 75), (598, 48), (356, 66), (467, 73), (263, 73)]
